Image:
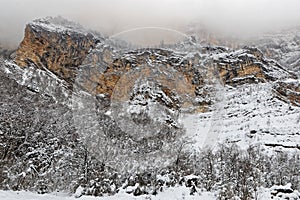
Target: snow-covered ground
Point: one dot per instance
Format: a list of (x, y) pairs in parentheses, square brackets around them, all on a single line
[(176, 193)]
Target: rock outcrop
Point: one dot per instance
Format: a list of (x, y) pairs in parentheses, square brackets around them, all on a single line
[(283, 47), (79, 57), (289, 91), (248, 65), (54, 44)]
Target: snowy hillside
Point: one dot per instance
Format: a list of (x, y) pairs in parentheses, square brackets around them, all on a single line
[(283, 46), (84, 115), (250, 114)]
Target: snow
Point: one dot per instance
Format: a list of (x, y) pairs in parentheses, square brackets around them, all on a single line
[(292, 81), (176, 193), (164, 178), (108, 113), (283, 47), (248, 114), (197, 127), (284, 192), (191, 176), (285, 187), (246, 108), (58, 24), (79, 191)]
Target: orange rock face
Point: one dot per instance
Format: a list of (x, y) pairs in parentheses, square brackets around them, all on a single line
[(75, 57), (59, 53)]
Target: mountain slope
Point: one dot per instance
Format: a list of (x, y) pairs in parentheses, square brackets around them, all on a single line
[(283, 46), (203, 81), (127, 116)]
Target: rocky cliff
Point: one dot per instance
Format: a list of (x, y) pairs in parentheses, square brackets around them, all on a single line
[(54, 44), (188, 79), (282, 46), (69, 51), (81, 111)]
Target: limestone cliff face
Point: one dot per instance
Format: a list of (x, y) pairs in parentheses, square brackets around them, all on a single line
[(75, 55), (104, 71), (56, 47), (248, 65), (117, 66)]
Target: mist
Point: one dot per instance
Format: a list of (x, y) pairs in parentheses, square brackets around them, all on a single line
[(233, 17)]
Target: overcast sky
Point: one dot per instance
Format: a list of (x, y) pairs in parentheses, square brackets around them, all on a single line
[(113, 16)]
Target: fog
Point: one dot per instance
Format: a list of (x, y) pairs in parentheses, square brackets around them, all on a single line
[(236, 17)]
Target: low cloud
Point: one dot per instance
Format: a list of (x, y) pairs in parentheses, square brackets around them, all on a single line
[(238, 17)]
